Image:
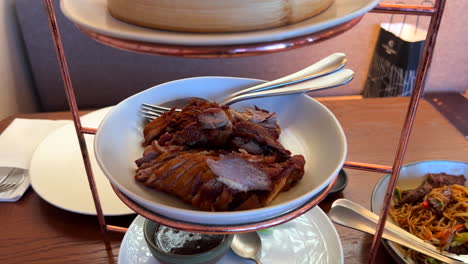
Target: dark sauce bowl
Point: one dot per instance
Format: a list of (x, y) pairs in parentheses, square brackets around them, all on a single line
[(340, 184), (210, 256)]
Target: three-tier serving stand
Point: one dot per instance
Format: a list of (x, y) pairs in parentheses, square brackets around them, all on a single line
[(434, 12)]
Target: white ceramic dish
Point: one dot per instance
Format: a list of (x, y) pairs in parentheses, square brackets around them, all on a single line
[(58, 175), (308, 128), (411, 176), (93, 15), (309, 239)]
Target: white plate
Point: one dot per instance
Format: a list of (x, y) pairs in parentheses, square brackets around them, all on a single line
[(93, 15), (310, 238), (58, 175), (411, 176), (308, 128)]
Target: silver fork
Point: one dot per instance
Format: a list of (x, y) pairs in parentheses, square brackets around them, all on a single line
[(14, 178), (331, 80), (325, 66)]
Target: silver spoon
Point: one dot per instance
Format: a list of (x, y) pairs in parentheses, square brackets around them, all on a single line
[(335, 79), (325, 66), (347, 213), (247, 245)]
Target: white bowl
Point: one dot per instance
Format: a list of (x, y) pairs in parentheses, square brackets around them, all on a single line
[(308, 128), (411, 176)]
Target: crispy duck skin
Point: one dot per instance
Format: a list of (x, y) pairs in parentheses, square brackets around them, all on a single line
[(203, 124), (261, 117), (187, 175), (218, 159), (254, 134), (171, 122)]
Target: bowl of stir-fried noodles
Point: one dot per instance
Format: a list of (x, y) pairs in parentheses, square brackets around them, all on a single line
[(431, 202)]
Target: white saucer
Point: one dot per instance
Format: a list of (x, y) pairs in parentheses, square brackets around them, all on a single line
[(93, 15), (58, 175), (310, 238)]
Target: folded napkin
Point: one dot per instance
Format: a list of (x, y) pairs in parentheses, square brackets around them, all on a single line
[(17, 145)]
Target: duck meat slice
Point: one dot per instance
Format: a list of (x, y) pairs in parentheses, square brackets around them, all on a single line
[(210, 128), (159, 126), (256, 158), (207, 195), (189, 182), (247, 144), (213, 118), (261, 117), (213, 129), (164, 171), (170, 122), (265, 180), (214, 182), (146, 169), (239, 174), (255, 138), (148, 155)]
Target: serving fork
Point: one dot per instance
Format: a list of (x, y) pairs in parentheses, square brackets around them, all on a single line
[(327, 73), (13, 179)]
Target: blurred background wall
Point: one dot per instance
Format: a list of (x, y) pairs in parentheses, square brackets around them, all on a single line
[(103, 76), (16, 87)]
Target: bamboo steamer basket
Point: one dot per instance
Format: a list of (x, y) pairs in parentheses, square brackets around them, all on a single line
[(209, 16)]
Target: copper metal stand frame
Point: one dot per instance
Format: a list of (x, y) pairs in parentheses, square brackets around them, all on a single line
[(246, 50), (220, 51)]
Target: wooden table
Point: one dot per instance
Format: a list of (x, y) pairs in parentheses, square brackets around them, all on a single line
[(32, 231)]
